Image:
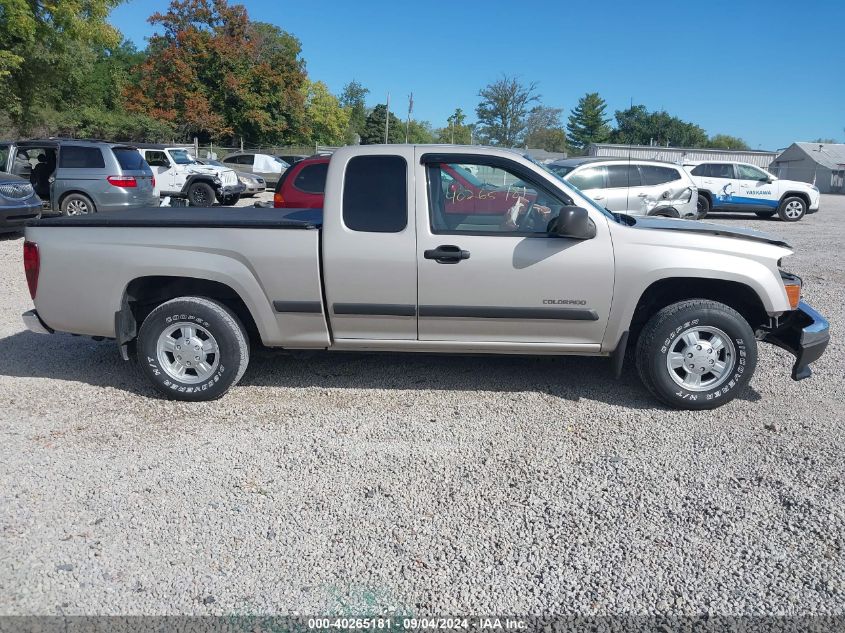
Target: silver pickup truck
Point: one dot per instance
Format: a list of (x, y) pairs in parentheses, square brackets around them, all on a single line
[(403, 257)]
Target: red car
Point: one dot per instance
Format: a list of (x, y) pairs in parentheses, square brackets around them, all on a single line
[(302, 185)]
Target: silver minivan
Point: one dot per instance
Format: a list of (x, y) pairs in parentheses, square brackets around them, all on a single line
[(635, 187), (76, 177)]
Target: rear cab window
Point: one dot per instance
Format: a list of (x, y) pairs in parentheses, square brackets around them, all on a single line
[(375, 194), (81, 157)]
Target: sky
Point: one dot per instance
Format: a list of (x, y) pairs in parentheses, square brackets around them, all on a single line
[(769, 72)]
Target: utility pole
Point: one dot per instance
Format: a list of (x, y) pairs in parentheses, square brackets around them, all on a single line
[(387, 119), (410, 109)]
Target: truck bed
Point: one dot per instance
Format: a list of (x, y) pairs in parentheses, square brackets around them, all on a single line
[(194, 217)]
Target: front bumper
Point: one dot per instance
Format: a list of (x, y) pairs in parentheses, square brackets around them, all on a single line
[(230, 190), (804, 333), (34, 323), (15, 216)]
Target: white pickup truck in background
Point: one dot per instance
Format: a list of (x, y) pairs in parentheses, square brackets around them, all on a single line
[(401, 258)]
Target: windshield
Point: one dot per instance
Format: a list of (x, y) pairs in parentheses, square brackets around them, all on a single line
[(561, 170), (182, 157), (216, 163), (281, 162), (549, 170)]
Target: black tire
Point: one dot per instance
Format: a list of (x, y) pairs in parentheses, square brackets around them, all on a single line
[(665, 334), (228, 201), (792, 209), (205, 317), (201, 194), (703, 207), (77, 204), (764, 214)]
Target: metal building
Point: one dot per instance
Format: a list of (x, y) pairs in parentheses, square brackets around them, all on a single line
[(682, 154), (822, 164)]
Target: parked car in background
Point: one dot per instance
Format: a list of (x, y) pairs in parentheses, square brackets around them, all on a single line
[(733, 186), (252, 184), (270, 168), (292, 159), (635, 187), (77, 177), (18, 203), (180, 175), (303, 184)]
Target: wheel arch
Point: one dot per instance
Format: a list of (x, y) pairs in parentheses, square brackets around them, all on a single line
[(663, 292), (796, 194), (143, 294)]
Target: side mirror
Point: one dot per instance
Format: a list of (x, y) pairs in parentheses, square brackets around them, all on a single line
[(574, 223)]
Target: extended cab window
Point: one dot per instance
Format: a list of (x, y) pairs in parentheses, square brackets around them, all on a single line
[(375, 194), (312, 178), (75, 157), (484, 199)]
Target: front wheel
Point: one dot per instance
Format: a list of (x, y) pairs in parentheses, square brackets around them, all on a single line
[(703, 207), (201, 194), (696, 354), (193, 349), (792, 209)]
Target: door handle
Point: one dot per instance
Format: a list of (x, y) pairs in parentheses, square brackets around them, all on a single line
[(598, 197), (446, 254), (642, 195)]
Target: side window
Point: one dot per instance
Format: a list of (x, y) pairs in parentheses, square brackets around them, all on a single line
[(4, 156), (312, 178), (156, 158), (621, 176), (590, 178), (484, 199), (375, 194), (722, 170), (701, 170), (747, 172), (75, 157), (657, 175), (245, 159)]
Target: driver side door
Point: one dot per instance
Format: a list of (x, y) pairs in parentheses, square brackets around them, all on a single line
[(506, 281), (756, 191)]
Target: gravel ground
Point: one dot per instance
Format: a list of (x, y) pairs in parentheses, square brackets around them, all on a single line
[(354, 484)]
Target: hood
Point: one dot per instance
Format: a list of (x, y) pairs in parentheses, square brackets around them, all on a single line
[(705, 228), (206, 169)]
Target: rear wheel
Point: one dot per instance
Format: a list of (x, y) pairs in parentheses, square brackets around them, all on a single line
[(792, 209), (193, 349), (764, 214), (201, 194), (77, 204), (703, 206), (696, 354)]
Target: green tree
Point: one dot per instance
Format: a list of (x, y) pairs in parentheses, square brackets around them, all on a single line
[(725, 141), (353, 99), (215, 74), (374, 127), (544, 129), (502, 111), (328, 121), (638, 126), (456, 131), (419, 132), (46, 52), (824, 141), (587, 122)]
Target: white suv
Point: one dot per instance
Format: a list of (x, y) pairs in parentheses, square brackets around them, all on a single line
[(731, 186), (179, 175), (634, 187)]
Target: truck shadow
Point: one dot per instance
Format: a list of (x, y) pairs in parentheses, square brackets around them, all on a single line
[(77, 359)]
